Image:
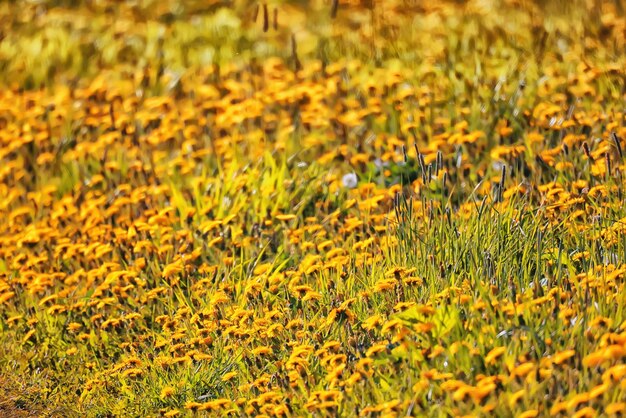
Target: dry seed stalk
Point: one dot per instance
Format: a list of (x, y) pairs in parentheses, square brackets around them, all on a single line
[(501, 184), (333, 9), (294, 53), (617, 142), (255, 13), (420, 158), (266, 21), (587, 152), (439, 162)]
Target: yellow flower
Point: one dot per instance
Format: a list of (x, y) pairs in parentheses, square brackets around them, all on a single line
[(531, 413), (229, 376), (132, 372), (594, 359), (167, 392), (193, 406), (586, 412), (513, 398), (262, 351), (615, 408), (496, 352), (577, 400), (563, 356), (523, 369), (372, 322)]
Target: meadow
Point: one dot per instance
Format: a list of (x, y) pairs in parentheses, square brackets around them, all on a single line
[(312, 208)]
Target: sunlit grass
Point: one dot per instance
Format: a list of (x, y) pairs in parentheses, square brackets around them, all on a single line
[(380, 210)]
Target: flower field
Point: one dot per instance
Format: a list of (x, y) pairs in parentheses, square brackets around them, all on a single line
[(312, 208)]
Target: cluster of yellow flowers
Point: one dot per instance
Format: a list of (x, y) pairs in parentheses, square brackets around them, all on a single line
[(337, 237)]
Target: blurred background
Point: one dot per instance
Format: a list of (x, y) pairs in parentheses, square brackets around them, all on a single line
[(43, 42)]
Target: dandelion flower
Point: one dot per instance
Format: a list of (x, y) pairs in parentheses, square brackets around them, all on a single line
[(349, 180)]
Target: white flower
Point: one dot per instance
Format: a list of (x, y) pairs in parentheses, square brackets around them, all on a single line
[(349, 180)]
